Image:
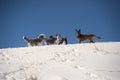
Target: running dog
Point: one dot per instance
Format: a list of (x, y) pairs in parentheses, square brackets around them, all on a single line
[(83, 37), (35, 42)]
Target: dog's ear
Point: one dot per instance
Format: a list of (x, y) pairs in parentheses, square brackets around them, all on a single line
[(79, 30), (51, 36), (58, 34)]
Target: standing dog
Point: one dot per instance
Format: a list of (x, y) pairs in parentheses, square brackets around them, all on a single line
[(35, 42), (63, 41), (53, 40), (83, 37)]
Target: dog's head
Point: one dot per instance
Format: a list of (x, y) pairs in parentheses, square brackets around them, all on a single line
[(25, 38), (58, 36), (78, 32)]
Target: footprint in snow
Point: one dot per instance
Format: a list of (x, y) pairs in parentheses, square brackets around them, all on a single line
[(92, 75), (2, 76), (78, 67)]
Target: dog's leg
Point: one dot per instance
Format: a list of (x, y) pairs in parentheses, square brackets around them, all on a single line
[(79, 41), (91, 41)]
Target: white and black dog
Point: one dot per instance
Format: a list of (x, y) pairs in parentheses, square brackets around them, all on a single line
[(63, 41), (53, 40), (36, 41)]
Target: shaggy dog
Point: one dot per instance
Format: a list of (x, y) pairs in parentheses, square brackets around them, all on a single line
[(35, 42)]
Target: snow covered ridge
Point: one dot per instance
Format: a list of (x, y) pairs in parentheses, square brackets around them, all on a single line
[(87, 61)]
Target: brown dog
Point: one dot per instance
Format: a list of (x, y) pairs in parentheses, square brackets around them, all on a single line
[(83, 37)]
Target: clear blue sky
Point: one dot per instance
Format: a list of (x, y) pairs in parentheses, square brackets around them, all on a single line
[(33, 17)]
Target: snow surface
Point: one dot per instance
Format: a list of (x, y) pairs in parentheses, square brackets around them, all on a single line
[(86, 61)]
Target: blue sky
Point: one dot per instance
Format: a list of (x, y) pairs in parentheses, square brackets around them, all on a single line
[(33, 17)]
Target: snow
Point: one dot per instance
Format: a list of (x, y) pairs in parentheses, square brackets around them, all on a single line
[(86, 61)]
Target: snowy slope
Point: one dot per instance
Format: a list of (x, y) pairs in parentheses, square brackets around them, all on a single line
[(87, 61)]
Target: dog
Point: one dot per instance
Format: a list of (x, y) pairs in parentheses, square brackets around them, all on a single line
[(83, 37), (35, 42), (53, 40), (63, 41)]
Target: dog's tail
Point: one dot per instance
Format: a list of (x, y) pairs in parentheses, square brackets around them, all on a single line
[(26, 39), (97, 37), (66, 42)]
